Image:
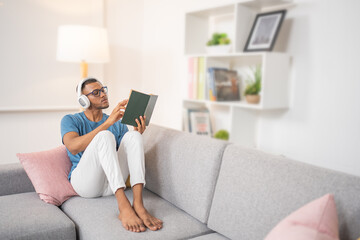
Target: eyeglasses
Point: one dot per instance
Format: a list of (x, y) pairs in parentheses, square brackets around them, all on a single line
[(97, 92)]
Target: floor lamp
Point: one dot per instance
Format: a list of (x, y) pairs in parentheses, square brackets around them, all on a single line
[(82, 44)]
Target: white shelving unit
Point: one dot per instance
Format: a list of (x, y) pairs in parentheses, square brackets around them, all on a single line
[(239, 118)]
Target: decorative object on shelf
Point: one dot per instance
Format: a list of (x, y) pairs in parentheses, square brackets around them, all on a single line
[(253, 86), (223, 85), (264, 31), (197, 121), (222, 134), (219, 44)]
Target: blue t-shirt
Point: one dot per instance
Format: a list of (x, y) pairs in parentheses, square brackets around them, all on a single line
[(79, 123)]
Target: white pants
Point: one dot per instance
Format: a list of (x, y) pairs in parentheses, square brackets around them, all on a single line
[(101, 170)]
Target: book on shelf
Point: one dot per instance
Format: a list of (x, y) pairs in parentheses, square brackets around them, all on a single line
[(201, 78), (191, 77), (197, 121), (196, 78), (139, 104), (223, 85)]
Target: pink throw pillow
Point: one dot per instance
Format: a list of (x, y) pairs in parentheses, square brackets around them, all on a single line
[(48, 171), (315, 221)]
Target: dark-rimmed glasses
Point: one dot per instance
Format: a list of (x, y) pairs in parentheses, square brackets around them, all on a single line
[(97, 92)]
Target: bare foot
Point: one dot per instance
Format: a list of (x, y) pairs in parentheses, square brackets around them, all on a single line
[(149, 221), (131, 221)]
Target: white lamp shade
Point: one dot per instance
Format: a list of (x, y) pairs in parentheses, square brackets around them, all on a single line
[(78, 43)]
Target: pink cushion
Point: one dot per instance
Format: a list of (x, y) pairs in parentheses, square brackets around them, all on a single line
[(48, 171), (315, 221)]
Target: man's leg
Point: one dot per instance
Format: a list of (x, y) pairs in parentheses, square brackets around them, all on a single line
[(99, 170), (131, 156)]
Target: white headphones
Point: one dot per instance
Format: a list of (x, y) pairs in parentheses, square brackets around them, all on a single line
[(82, 99)]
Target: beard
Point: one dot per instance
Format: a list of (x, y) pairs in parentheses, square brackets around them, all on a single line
[(100, 106)]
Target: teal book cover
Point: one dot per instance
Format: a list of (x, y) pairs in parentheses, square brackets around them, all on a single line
[(140, 104)]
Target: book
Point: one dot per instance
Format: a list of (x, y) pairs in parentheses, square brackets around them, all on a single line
[(191, 77), (139, 104), (198, 122), (195, 79), (211, 88), (201, 78), (226, 85)]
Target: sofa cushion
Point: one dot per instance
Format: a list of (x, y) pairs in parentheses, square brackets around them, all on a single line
[(255, 191), (316, 220), (13, 179), (97, 218), (25, 216), (210, 236), (182, 168), (48, 172)]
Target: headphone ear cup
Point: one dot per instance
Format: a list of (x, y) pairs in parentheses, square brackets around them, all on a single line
[(84, 101)]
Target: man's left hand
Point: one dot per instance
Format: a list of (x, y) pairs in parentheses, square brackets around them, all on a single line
[(141, 124)]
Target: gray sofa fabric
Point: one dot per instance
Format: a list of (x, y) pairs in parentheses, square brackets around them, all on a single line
[(13, 179), (25, 216), (97, 219), (183, 168), (256, 190), (211, 236)]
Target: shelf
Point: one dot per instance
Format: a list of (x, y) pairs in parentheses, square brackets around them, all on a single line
[(236, 54), (238, 117), (240, 104)]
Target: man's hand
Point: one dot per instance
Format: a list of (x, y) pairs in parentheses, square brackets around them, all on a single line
[(118, 112), (141, 125)]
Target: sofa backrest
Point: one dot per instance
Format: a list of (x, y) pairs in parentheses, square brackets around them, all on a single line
[(256, 190), (182, 168), (13, 179)]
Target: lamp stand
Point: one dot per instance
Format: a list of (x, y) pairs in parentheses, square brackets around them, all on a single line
[(84, 69)]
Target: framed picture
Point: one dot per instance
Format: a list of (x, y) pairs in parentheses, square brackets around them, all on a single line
[(264, 31), (198, 121)]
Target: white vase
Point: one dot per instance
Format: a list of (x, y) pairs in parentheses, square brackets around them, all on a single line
[(218, 49)]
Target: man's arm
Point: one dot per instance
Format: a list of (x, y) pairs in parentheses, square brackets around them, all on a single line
[(75, 143)]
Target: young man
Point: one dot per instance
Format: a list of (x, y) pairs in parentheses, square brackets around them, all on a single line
[(103, 154)]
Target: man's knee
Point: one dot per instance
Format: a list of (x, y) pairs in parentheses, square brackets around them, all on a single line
[(105, 135), (133, 137)]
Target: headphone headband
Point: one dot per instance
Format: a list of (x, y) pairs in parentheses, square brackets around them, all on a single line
[(81, 83), (82, 99)]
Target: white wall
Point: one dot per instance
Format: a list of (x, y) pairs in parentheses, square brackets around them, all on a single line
[(124, 21), (30, 76), (322, 126)]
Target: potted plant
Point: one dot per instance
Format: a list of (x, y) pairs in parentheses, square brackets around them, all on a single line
[(253, 86), (219, 43), (222, 134)]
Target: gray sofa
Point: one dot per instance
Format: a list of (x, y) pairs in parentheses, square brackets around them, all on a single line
[(201, 188)]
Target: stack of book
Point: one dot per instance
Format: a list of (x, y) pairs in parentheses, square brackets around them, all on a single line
[(196, 78), (223, 85), (215, 84)]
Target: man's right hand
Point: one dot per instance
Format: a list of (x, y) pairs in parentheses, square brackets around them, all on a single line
[(118, 112)]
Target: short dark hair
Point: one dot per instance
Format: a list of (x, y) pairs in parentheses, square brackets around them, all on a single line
[(90, 80)]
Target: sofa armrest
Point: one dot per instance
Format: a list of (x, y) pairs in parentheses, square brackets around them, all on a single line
[(13, 179)]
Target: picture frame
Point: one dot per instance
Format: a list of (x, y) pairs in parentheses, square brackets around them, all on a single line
[(198, 122), (264, 31)]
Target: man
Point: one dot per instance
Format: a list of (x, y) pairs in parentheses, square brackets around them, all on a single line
[(104, 152)]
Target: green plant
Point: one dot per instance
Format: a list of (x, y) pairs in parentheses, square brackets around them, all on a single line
[(253, 86), (222, 134), (218, 39)]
